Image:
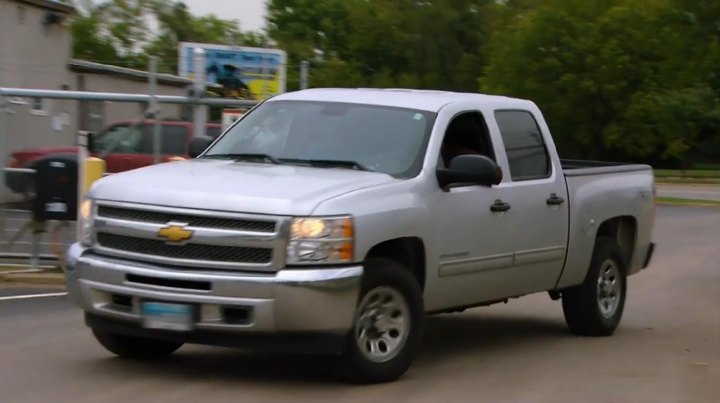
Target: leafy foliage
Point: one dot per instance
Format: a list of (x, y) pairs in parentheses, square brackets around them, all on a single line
[(119, 32), (631, 80)]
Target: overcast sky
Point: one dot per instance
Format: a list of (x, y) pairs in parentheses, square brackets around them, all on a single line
[(250, 13)]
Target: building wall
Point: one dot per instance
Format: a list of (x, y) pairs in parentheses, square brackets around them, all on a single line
[(54, 122), (95, 115), (33, 55), (36, 56)]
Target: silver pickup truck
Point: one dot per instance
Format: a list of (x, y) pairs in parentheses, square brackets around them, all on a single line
[(335, 221)]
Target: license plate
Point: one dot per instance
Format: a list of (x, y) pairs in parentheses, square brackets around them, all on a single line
[(56, 207), (161, 315)]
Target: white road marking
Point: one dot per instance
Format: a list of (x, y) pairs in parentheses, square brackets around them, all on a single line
[(14, 297)]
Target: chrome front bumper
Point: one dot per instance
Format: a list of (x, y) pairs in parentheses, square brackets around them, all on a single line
[(291, 300)]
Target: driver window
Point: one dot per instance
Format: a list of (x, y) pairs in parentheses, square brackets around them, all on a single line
[(466, 134)]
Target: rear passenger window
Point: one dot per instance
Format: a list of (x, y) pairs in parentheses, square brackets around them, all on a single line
[(213, 132), (524, 145), (173, 140)]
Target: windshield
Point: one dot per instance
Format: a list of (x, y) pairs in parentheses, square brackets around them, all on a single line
[(378, 138), (118, 138)]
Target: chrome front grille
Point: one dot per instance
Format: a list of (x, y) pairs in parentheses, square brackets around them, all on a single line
[(190, 251), (212, 240), (195, 221)]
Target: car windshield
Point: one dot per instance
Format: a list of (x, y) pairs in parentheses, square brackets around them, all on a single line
[(330, 134), (116, 138)]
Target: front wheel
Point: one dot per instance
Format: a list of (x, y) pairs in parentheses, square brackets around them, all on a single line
[(595, 307), (135, 347), (388, 324)]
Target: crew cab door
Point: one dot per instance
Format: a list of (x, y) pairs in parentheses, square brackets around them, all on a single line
[(471, 242), (536, 193)]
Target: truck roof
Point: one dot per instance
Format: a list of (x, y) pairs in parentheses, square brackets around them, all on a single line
[(427, 100)]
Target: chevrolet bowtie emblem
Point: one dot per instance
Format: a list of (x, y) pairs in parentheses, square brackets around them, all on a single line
[(175, 233)]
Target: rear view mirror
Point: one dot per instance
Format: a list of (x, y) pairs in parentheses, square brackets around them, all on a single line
[(471, 170), (198, 145)]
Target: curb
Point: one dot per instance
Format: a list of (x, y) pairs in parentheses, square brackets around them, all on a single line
[(19, 277), (694, 205), (683, 201)]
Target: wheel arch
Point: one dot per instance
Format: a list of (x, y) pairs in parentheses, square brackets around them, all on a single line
[(623, 231), (407, 251)]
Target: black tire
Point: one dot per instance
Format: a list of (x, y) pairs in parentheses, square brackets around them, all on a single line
[(135, 347), (384, 275), (581, 304)]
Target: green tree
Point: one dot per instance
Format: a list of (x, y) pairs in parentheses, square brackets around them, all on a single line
[(616, 79), (117, 32), (425, 44)]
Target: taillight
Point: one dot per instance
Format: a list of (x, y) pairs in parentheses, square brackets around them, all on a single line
[(13, 163)]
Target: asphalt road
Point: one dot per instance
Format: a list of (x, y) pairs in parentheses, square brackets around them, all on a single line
[(666, 350), (699, 192)]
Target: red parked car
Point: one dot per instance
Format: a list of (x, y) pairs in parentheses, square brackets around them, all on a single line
[(123, 145)]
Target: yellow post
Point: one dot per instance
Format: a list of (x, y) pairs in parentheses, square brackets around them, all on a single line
[(94, 170)]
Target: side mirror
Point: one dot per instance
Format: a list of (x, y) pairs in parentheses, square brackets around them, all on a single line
[(198, 145), (471, 170)]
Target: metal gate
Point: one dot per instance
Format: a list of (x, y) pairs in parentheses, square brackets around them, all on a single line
[(21, 240)]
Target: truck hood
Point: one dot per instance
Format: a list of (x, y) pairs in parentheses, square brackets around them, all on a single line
[(234, 186)]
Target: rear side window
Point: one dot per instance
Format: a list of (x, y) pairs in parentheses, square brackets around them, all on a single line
[(213, 132), (173, 140), (524, 145)]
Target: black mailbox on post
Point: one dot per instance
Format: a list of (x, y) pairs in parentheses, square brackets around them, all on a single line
[(56, 189)]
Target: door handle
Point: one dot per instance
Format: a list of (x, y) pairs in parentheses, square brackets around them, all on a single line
[(555, 200), (499, 206)]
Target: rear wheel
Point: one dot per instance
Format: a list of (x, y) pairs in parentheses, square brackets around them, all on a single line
[(595, 307), (135, 347), (388, 324)]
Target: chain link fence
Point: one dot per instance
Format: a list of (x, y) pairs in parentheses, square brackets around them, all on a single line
[(131, 130)]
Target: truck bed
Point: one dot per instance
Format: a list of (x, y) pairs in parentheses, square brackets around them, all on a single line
[(589, 167), (598, 191)]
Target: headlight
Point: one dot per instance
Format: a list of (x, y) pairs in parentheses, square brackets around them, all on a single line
[(321, 240), (86, 215)]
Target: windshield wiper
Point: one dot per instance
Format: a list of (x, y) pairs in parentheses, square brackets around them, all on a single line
[(245, 157), (331, 163)]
